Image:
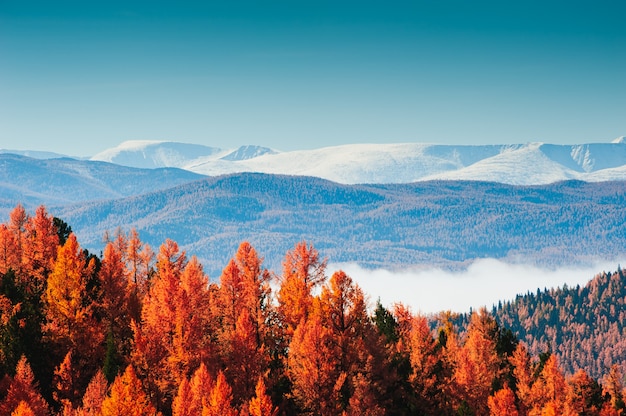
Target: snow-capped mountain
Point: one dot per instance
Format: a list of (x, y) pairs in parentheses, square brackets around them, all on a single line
[(155, 154), (524, 164)]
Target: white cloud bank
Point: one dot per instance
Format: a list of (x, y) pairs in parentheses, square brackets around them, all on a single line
[(483, 283)]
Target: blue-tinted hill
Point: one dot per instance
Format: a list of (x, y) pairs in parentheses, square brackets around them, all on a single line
[(445, 223)]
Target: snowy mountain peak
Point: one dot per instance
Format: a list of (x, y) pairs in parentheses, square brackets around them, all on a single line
[(520, 164), (155, 154), (248, 152), (619, 140)]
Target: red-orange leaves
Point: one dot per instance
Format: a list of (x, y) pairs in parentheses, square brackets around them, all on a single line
[(24, 389), (313, 367), (127, 397)]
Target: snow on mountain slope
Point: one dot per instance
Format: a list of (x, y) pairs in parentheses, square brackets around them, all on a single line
[(35, 154), (248, 152), (156, 154), (527, 165), (359, 163), (533, 163)]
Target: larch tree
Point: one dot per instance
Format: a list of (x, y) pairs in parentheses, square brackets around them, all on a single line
[(191, 342), (154, 337), (584, 395), (138, 259), (113, 308), (232, 299), (523, 376), (313, 368), (477, 363), (614, 387), (247, 361), (9, 254), (127, 397), (65, 382), (502, 403), (363, 401), (94, 396), (220, 399), (303, 271), (24, 388), (40, 247), (181, 405), (69, 309), (549, 390), (342, 309), (426, 362), (173, 338), (261, 404), (23, 409), (17, 226), (244, 304), (193, 393)]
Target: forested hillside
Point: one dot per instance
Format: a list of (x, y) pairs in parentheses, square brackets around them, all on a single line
[(584, 326), (134, 332), (442, 224)]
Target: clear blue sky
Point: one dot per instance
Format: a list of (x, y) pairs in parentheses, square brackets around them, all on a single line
[(77, 77)]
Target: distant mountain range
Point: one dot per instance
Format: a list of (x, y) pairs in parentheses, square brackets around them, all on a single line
[(388, 223), (523, 164), (64, 181), (395, 226), (527, 164)]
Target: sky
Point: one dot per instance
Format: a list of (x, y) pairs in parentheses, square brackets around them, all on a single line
[(78, 77)]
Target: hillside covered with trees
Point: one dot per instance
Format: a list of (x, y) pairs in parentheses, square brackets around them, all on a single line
[(140, 332), (584, 326)]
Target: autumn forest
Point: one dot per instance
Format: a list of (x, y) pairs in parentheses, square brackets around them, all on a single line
[(142, 331)]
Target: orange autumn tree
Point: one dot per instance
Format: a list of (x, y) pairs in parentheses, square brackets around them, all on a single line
[(244, 312), (127, 397), (261, 404), (23, 409), (342, 309), (17, 227), (172, 338), (303, 271), (193, 393), (523, 369), (94, 396), (154, 334), (584, 395), (71, 323), (477, 363), (219, 402), (8, 252), (40, 247), (502, 403), (24, 389), (549, 390), (138, 259), (426, 363), (313, 368)]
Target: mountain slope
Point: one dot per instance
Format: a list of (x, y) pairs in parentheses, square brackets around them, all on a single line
[(528, 164), (155, 154), (32, 182), (392, 226), (584, 326)]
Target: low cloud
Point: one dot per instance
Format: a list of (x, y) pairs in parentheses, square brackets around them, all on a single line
[(483, 283)]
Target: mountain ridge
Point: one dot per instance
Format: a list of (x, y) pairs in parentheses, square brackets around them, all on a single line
[(378, 226), (517, 164)]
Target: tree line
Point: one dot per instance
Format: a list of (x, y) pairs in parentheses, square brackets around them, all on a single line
[(136, 332)]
